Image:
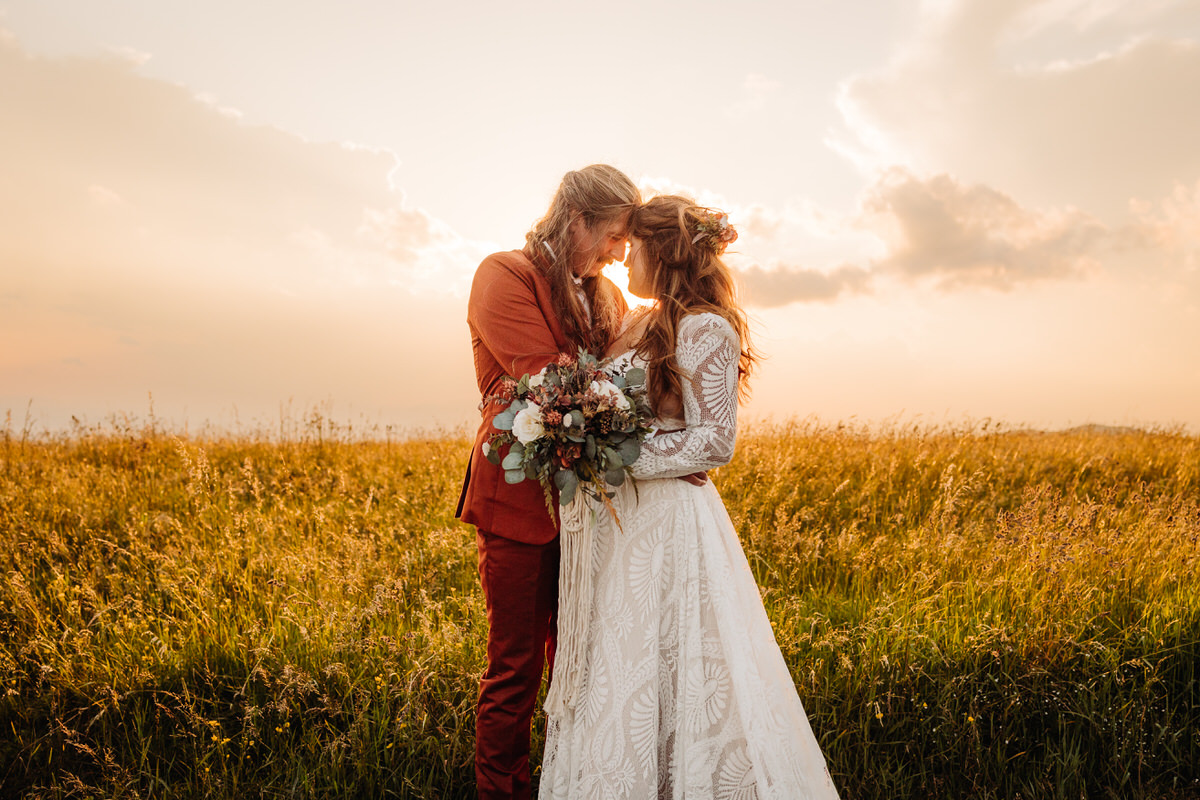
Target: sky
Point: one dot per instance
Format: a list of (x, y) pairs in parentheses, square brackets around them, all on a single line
[(238, 215)]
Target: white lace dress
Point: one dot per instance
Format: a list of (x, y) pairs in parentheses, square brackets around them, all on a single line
[(683, 692)]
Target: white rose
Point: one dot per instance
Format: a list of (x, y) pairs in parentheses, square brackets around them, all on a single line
[(527, 425), (536, 380), (487, 449)]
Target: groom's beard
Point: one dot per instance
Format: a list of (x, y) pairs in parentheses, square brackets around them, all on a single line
[(596, 262)]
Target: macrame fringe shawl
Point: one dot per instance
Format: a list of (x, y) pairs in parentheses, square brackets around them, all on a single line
[(577, 527)]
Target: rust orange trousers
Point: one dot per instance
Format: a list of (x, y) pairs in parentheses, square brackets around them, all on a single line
[(520, 586)]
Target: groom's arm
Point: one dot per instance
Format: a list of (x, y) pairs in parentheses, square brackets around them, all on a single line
[(505, 313)]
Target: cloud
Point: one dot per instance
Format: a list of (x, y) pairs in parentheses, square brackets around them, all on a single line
[(151, 241), (88, 134), (981, 92), (1173, 226), (1080, 16), (781, 286), (957, 236), (974, 235)]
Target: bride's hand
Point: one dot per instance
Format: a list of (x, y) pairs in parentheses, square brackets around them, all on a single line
[(696, 478), (631, 330)]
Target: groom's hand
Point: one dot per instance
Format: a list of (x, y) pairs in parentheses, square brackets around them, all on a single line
[(696, 478)]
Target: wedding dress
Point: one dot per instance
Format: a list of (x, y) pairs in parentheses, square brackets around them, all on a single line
[(682, 692)]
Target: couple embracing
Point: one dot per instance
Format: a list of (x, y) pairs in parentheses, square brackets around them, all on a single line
[(682, 691)]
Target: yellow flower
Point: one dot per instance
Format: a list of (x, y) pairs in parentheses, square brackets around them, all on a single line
[(970, 719)]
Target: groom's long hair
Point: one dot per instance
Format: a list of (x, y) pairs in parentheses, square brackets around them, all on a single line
[(598, 195), (687, 276)]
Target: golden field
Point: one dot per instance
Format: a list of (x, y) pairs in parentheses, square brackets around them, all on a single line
[(967, 611)]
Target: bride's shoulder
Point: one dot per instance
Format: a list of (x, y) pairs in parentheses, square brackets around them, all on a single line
[(706, 323)]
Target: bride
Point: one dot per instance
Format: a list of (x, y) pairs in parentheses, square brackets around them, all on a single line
[(681, 690)]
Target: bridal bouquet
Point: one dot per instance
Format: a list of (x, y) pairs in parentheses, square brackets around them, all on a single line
[(577, 423)]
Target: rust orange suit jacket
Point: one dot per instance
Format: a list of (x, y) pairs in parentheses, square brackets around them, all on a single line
[(514, 331)]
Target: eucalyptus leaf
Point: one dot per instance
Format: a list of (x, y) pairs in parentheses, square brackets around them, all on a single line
[(504, 420), (567, 495), (566, 480), (514, 475), (589, 448), (635, 376), (514, 459), (577, 419), (493, 455), (615, 477), (629, 449), (612, 459)]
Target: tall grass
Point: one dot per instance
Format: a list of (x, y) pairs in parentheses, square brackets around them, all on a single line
[(967, 612)]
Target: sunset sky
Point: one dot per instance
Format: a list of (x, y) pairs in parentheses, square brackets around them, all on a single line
[(949, 210)]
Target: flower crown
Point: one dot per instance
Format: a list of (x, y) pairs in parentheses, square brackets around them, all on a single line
[(715, 229)]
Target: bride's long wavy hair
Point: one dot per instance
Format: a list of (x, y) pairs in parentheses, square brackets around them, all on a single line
[(686, 276), (598, 195)]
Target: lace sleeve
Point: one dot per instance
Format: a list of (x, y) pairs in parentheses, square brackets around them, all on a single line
[(707, 352)]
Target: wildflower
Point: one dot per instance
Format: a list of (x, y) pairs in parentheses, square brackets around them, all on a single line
[(507, 390), (607, 391)]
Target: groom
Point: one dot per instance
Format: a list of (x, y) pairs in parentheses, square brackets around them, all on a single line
[(526, 307)]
